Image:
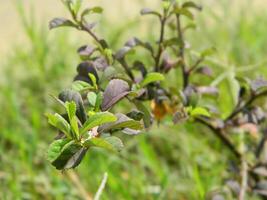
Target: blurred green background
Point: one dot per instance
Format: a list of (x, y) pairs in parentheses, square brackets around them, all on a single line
[(181, 162)]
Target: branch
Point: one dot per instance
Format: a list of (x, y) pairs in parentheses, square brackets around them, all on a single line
[(219, 133), (237, 110), (126, 68), (195, 65), (244, 176)]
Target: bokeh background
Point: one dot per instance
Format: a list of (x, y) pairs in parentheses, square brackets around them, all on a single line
[(181, 162)]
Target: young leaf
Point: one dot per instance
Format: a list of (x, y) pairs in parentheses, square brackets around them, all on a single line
[(59, 122), (184, 12), (94, 10), (199, 111), (92, 97), (80, 85), (97, 120), (71, 111), (208, 52), (151, 77), (60, 22), (94, 80), (114, 92), (191, 4), (99, 100)]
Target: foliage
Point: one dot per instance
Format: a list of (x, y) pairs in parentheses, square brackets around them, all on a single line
[(189, 104)]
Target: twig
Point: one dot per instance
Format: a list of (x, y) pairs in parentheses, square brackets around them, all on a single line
[(195, 65), (160, 48), (181, 52), (101, 187), (237, 110), (126, 68)]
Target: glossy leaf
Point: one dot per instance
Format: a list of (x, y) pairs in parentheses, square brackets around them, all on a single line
[(199, 111), (151, 77), (92, 97), (80, 85), (65, 154), (97, 120), (71, 111), (60, 123), (122, 122)]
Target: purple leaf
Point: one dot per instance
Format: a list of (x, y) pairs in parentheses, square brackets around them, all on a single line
[(114, 92)]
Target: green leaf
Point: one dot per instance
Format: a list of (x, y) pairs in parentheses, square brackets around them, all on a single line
[(60, 123), (191, 4), (151, 77), (71, 111), (122, 122), (60, 22), (199, 111), (92, 97), (99, 100), (94, 10), (93, 79), (80, 85), (109, 143), (77, 6), (55, 149), (184, 12), (65, 154), (208, 52), (97, 120)]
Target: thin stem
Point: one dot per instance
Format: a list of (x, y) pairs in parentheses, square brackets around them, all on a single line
[(195, 65), (84, 28), (161, 39), (127, 69), (182, 51)]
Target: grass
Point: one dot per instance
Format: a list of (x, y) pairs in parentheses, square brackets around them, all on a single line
[(185, 162)]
